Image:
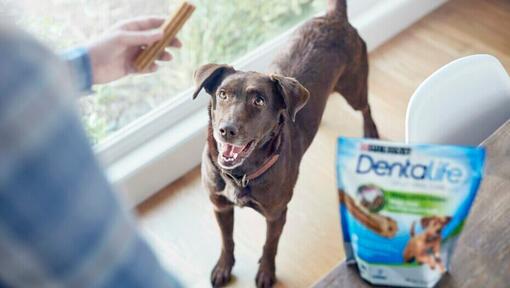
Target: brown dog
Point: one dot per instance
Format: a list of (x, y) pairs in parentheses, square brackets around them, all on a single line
[(257, 137), (425, 248)]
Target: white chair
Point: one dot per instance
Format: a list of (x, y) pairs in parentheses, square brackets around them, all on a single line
[(461, 103)]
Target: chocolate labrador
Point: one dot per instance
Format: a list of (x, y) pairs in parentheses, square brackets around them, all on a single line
[(261, 125)]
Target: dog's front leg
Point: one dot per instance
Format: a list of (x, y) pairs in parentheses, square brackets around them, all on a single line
[(221, 272), (266, 274), (437, 249), (437, 256)]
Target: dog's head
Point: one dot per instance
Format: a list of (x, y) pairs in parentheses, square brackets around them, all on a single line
[(435, 224), (246, 107)]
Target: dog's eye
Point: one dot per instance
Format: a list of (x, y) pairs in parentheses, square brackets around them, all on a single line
[(222, 95), (259, 101)]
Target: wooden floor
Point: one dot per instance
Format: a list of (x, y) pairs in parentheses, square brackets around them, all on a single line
[(179, 221)]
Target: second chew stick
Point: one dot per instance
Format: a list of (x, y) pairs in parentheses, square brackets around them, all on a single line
[(170, 29), (380, 224)]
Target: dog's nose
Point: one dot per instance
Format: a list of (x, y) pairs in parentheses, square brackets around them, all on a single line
[(228, 131)]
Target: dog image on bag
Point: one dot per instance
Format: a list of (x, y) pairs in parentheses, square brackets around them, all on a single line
[(425, 248), (260, 125)]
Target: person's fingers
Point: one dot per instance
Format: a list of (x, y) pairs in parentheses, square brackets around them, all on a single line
[(175, 43), (165, 56), (152, 68), (139, 38), (142, 23)]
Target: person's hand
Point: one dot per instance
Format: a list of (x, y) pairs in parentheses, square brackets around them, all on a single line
[(112, 55)]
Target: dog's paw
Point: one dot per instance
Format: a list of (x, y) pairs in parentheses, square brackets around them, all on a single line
[(442, 269), (221, 272), (265, 277)]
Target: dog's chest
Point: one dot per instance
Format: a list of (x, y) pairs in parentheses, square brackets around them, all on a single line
[(239, 196)]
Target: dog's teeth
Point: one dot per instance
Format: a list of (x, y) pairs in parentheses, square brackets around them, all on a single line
[(228, 159)]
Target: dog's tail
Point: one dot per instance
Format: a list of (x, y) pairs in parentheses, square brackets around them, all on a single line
[(337, 8), (411, 231)]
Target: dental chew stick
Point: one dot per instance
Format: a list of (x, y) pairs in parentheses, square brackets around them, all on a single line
[(170, 28)]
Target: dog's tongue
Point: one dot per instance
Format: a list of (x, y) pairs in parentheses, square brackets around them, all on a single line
[(229, 150)]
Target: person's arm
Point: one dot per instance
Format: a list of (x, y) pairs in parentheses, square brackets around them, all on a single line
[(60, 222), (111, 56)]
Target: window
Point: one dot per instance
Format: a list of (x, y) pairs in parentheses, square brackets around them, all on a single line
[(219, 31)]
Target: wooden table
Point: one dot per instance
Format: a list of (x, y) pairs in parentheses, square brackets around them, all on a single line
[(482, 256)]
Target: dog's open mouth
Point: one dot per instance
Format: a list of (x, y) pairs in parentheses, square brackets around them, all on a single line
[(231, 156)]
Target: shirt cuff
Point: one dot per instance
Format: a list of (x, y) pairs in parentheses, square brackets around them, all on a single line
[(79, 61)]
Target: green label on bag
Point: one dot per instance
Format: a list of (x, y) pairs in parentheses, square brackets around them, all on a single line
[(413, 203)]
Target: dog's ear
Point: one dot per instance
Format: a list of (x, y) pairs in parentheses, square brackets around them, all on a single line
[(425, 221), (447, 219), (209, 77), (294, 94)]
